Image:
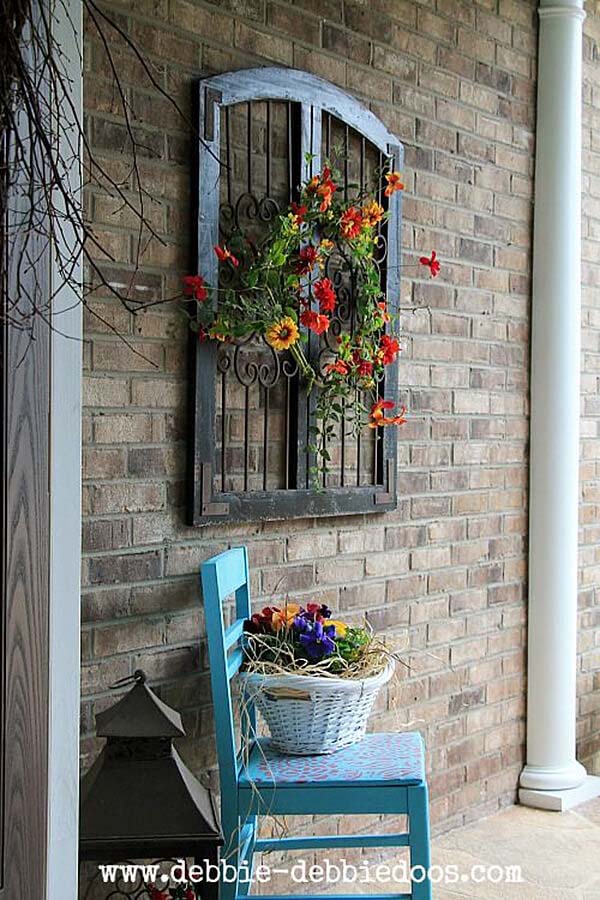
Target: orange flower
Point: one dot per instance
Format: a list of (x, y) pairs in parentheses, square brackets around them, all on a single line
[(379, 418), (394, 183), (351, 223), (372, 213), (338, 366), (314, 321), (284, 618), (224, 254), (323, 187), (384, 313)]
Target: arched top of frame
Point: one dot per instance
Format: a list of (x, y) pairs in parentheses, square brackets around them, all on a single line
[(275, 83)]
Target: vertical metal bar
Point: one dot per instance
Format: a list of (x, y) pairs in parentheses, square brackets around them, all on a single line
[(223, 427), (246, 436), (268, 151), (358, 439), (249, 146), (265, 438), (346, 152), (362, 163), (287, 434)]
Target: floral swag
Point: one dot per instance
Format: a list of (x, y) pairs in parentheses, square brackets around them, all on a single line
[(279, 291)]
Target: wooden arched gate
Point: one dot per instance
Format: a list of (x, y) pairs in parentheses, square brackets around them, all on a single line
[(264, 132)]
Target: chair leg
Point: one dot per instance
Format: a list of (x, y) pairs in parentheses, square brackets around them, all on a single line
[(230, 824), (419, 842), (244, 883)]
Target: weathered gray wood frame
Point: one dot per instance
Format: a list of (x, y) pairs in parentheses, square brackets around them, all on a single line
[(314, 96)]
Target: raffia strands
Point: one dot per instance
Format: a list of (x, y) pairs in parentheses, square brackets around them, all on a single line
[(272, 655)]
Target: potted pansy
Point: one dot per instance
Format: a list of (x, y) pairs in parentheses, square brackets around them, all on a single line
[(313, 678), (280, 290)]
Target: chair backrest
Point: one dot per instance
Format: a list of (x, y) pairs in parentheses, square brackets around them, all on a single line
[(222, 576)]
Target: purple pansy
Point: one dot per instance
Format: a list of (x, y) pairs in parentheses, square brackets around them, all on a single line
[(318, 641)]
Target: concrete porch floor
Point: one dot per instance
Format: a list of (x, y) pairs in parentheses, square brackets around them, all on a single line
[(558, 853)]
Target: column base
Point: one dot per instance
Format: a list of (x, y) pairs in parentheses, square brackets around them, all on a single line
[(559, 801), (553, 778)]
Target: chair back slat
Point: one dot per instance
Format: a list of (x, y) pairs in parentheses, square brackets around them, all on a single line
[(234, 633), (222, 576)]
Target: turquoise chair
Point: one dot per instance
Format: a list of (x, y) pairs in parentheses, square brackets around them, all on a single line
[(384, 773)]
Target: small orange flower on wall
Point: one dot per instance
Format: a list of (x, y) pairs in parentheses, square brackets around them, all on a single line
[(379, 418), (394, 183), (432, 262)]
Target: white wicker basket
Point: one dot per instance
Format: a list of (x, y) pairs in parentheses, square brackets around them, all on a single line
[(307, 714)]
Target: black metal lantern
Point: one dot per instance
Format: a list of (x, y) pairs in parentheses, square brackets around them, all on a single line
[(139, 800)]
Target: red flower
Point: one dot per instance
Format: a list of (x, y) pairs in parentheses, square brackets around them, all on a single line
[(351, 223), (431, 262), (314, 321), (394, 183), (378, 416), (193, 286), (189, 895), (388, 349), (224, 254), (203, 335), (307, 257), (364, 366), (325, 294), (298, 213), (338, 366)]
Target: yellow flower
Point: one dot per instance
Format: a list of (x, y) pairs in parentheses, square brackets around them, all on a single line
[(282, 335), (341, 628), (372, 213), (326, 245)]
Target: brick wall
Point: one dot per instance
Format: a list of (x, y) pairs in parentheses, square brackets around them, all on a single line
[(456, 82), (588, 685)]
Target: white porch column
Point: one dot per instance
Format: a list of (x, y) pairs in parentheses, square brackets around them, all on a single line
[(552, 778)]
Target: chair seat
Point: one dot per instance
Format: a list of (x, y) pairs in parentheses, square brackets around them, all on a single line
[(379, 759)]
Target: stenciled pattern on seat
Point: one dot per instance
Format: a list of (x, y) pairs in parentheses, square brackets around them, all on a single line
[(379, 758)]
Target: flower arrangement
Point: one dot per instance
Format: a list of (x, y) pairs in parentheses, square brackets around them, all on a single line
[(313, 678), (306, 639), (280, 290)]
